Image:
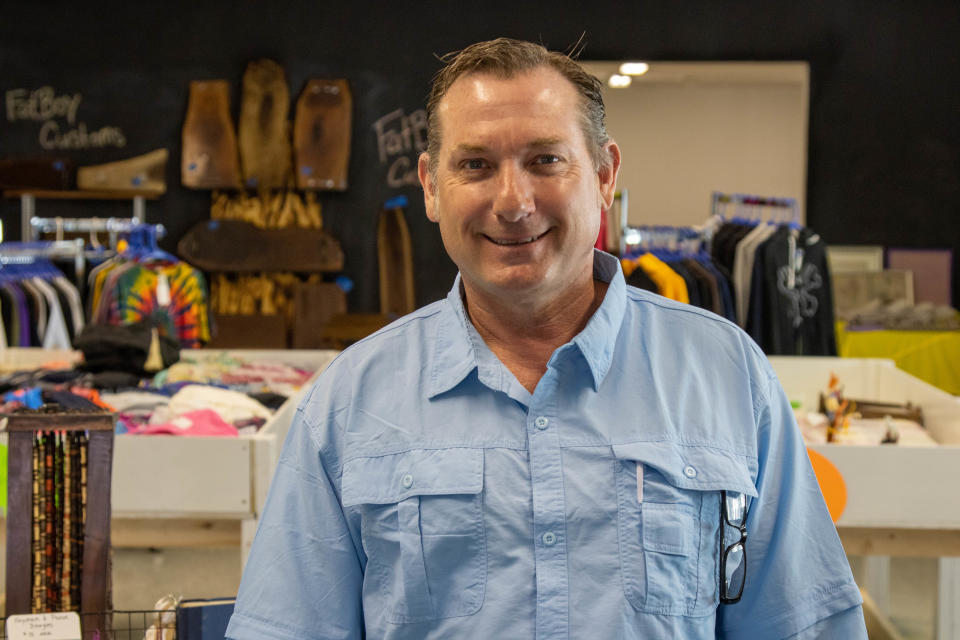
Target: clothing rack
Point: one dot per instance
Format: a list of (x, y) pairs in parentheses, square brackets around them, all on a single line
[(113, 226), (660, 237), (28, 252), (744, 202)]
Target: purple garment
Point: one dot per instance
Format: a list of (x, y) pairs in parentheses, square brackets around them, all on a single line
[(23, 311)]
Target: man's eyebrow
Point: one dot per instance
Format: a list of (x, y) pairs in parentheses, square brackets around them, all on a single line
[(470, 148), (537, 143), (540, 143)]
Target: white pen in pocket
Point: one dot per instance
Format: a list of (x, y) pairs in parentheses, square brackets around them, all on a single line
[(640, 482)]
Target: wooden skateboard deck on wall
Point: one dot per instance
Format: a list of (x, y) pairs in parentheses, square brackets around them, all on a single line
[(146, 172), (264, 128), (232, 245), (321, 134), (395, 258), (209, 158)]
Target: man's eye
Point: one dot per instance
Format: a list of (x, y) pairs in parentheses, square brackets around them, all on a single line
[(547, 158), (474, 164)]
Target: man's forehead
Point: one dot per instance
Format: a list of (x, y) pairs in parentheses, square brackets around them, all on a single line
[(481, 85)]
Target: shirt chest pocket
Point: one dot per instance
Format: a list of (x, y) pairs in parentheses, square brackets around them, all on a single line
[(668, 505), (422, 530)]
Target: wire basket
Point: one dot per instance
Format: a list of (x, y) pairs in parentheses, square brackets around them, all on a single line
[(122, 625)]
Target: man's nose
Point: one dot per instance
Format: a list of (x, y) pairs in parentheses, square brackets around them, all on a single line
[(515, 198)]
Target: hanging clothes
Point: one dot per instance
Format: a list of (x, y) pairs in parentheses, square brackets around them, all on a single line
[(743, 267), (686, 275), (791, 301), (771, 279), (781, 285), (39, 306), (168, 293), (671, 284)]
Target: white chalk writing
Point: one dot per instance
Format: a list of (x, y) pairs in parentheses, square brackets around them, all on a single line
[(400, 139), (44, 105), (51, 137), (41, 104), (401, 173)]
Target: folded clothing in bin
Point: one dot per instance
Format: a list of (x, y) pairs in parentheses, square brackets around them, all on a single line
[(202, 422), (136, 348)]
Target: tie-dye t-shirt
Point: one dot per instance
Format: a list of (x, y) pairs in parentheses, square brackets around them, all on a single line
[(178, 307)]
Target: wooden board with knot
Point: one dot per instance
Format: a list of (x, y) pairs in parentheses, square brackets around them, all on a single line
[(321, 134), (209, 158), (264, 127)]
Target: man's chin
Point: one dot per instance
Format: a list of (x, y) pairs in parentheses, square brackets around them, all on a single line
[(515, 283)]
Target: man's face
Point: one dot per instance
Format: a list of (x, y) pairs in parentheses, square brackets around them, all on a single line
[(516, 192)]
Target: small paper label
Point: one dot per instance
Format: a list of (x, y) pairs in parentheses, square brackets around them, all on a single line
[(640, 482), (48, 626), (163, 290)]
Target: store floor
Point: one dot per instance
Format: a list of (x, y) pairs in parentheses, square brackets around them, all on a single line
[(141, 577)]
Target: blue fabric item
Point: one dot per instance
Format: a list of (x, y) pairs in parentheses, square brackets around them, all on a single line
[(422, 492), (31, 398)]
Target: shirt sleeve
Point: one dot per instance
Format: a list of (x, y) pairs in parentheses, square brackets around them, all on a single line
[(798, 577), (304, 576), (839, 626)]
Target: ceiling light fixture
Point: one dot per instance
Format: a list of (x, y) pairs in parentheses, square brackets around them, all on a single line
[(634, 68), (619, 82)]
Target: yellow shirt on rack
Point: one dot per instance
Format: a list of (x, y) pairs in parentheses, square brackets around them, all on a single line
[(668, 281)]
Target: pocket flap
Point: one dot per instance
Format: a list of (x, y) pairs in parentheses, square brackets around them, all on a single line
[(666, 528), (391, 478), (690, 467)]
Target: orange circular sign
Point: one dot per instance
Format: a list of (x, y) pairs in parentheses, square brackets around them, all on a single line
[(832, 486)]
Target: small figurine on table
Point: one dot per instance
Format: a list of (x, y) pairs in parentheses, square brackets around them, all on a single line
[(838, 409)]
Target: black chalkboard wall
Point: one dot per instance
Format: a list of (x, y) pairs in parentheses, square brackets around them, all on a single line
[(884, 155)]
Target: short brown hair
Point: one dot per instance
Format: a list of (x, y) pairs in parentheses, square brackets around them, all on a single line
[(505, 58)]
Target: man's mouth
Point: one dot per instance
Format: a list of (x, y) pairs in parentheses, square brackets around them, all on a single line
[(511, 242)]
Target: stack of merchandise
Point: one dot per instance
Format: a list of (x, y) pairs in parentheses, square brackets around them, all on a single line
[(226, 396)]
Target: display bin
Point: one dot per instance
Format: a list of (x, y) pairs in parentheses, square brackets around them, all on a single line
[(901, 500), (192, 491), (888, 486)]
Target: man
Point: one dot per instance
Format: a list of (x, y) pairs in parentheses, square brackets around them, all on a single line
[(546, 453)]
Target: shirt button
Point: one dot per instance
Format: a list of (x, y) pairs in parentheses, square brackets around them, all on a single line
[(407, 481), (689, 471), (541, 422), (549, 538)]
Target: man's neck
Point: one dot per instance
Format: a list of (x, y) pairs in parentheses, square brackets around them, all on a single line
[(524, 336)]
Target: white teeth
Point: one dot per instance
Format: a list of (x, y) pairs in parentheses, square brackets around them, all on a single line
[(509, 242), (506, 243)]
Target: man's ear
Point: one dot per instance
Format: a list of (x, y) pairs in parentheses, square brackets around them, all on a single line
[(429, 189), (607, 173)]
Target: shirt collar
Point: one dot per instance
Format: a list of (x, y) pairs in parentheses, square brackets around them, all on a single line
[(598, 339), (455, 356)]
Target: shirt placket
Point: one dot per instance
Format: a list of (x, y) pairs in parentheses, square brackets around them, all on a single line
[(549, 526)]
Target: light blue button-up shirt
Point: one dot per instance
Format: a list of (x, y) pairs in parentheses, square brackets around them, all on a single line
[(424, 493)]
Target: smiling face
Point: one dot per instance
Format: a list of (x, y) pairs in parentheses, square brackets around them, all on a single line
[(516, 192)]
